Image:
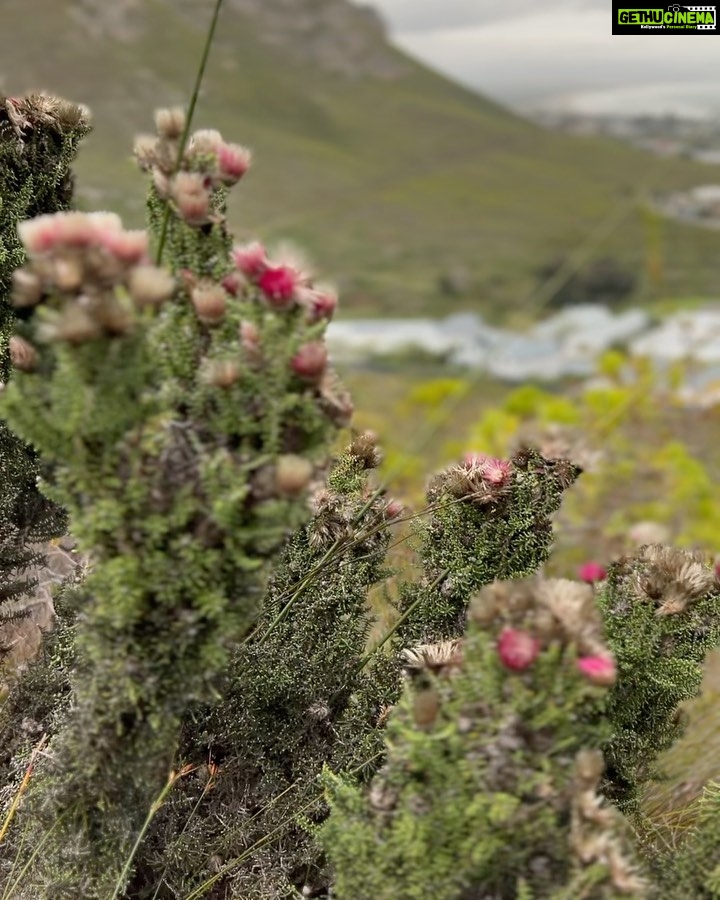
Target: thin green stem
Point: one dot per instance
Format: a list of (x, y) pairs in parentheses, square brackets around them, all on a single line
[(154, 808), (289, 598), (188, 120), (406, 615), (266, 839), (8, 893)]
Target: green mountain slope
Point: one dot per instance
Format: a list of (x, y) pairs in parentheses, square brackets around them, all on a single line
[(388, 174)]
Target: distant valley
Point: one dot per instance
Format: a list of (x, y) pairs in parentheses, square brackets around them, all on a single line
[(416, 195)]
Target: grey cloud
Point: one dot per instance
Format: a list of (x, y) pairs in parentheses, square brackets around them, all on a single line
[(552, 53), (420, 16)]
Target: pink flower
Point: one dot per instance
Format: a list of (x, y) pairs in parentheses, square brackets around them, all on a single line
[(319, 302), (193, 208), (233, 162), (80, 230), (598, 669), (127, 246), (517, 649), (394, 509), (310, 361), (250, 259), (278, 284), (231, 283), (41, 234), (249, 336), (494, 470), (591, 572)]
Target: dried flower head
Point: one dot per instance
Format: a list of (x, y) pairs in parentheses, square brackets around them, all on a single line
[(364, 447), (292, 474), (73, 326), (48, 110), (675, 578), (150, 286), (480, 479), (221, 373), (67, 273), (114, 316), (22, 354), (335, 399), (574, 614), (210, 301), (550, 609), (589, 765), (444, 657), (596, 834), (170, 123), (146, 151), (27, 288)]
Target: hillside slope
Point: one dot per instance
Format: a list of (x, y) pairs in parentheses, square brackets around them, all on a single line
[(388, 174)]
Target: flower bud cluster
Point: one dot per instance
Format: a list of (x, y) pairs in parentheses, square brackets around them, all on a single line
[(533, 613), (189, 181), (83, 258), (479, 478), (284, 284), (280, 287), (348, 515)]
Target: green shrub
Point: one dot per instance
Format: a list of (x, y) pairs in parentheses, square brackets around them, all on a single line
[(213, 715)]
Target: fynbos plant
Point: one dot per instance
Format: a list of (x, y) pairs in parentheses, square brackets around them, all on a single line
[(215, 667), (490, 786), (182, 443), (303, 693), (662, 616), (490, 519), (38, 140)]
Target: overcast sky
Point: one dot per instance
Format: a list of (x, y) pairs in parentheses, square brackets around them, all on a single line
[(528, 52)]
